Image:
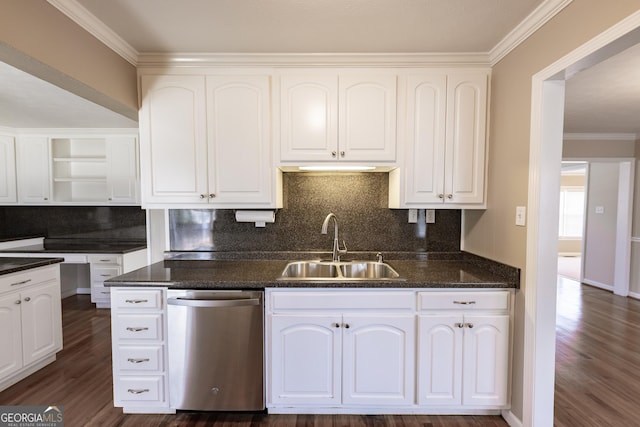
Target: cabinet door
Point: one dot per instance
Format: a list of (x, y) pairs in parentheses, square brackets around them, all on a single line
[(41, 321), (425, 138), (440, 343), (8, 192), (122, 170), (378, 359), (367, 117), (33, 170), (306, 359), (485, 360), (309, 118), (239, 135), (173, 146), (465, 140), (10, 335)]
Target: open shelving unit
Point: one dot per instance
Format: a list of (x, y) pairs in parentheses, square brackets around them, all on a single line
[(79, 169)]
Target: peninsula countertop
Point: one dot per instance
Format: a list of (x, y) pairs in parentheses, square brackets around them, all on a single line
[(13, 265), (458, 270)]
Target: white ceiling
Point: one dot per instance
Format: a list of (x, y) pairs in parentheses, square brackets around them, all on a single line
[(599, 100)]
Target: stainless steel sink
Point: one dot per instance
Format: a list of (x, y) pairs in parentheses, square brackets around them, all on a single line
[(339, 271)]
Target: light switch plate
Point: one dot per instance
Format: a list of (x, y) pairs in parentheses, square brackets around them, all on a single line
[(413, 216), (430, 217), (521, 216), (599, 209)]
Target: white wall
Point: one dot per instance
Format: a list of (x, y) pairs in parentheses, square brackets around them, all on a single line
[(600, 232)]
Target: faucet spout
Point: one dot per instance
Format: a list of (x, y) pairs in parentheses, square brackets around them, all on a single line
[(336, 251)]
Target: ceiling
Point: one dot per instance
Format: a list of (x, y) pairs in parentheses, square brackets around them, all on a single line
[(599, 100)]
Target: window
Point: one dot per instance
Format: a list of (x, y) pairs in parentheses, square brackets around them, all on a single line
[(571, 212)]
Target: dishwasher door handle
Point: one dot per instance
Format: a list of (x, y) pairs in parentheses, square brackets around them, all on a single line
[(213, 302)]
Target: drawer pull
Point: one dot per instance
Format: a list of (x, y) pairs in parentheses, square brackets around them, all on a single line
[(27, 299), (464, 302), (136, 301), (105, 275), (459, 325), (138, 391), (105, 260), (21, 283), (136, 329), (105, 292), (131, 360)]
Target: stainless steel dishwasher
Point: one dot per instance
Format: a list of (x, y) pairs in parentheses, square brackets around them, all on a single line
[(216, 351)]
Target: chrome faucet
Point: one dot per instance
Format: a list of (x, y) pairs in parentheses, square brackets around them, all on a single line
[(336, 245)]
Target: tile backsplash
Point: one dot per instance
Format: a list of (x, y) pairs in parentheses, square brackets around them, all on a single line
[(359, 200)]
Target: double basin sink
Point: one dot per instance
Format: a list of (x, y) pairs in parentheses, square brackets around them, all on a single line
[(339, 271)]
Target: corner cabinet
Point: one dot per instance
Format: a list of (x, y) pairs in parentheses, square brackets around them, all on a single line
[(30, 322), (337, 117), (206, 141), (371, 351), (445, 139)]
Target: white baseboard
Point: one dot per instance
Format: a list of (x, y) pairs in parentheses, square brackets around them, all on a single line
[(83, 291), (511, 419), (597, 284)]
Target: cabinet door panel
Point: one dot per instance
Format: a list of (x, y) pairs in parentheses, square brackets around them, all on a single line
[(306, 359), (367, 124), (8, 192), (10, 335), (466, 127), (173, 139), (309, 117), (485, 360), (378, 360), (33, 170), (42, 327), (122, 170), (425, 137), (238, 125), (440, 360)]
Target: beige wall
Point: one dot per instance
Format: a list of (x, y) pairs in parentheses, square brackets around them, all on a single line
[(37, 38), (601, 148), (492, 233)]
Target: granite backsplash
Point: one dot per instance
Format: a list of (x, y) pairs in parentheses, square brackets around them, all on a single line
[(114, 223), (359, 200)]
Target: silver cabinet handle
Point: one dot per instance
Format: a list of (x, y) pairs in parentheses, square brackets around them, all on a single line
[(21, 283), (213, 302), (441, 196), (106, 275), (138, 391), (107, 292), (458, 325), (469, 325), (136, 329), (212, 196), (18, 302), (27, 299), (342, 153), (104, 260), (131, 360), (346, 326), (449, 196), (135, 301), (334, 154), (464, 302)]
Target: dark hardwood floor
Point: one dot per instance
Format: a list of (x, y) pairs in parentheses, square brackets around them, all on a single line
[(81, 381), (597, 373)]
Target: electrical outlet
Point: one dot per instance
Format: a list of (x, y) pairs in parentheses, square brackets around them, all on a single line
[(413, 216), (521, 216), (430, 217)]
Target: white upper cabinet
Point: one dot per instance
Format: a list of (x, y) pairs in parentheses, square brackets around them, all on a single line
[(173, 144), (34, 182), (8, 193), (122, 170), (329, 117), (206, 141), (444, 134)]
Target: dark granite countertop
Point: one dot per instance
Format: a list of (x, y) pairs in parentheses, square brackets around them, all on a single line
[(79, 246), (191, 271), (13, 265)]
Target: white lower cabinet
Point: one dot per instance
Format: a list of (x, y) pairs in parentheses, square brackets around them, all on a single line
[(139, 350), (30, 322), (387, 351), (107, 266), (463, 349)]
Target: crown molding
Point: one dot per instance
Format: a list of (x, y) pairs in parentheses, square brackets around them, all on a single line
[(313, 59), (536, 19), (81, 16), (600, 136)]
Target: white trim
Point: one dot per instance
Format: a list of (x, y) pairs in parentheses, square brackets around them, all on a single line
[(536, 19), (624, 219), (600, 136), (538, 390), (81, 16), (634, 295), (597, 284), (511, 419)]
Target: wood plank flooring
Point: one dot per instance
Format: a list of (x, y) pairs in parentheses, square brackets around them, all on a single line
[(81, 381)]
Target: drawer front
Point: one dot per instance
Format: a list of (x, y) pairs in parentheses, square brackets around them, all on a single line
[(100, 274), (348, 300), (139, 389), (105, 259), (17, 281), (140, 359), (99, 292), (141, 327), (498, 300), (137, 299)]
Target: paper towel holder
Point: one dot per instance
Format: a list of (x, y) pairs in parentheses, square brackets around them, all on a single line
[(260, 218)]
